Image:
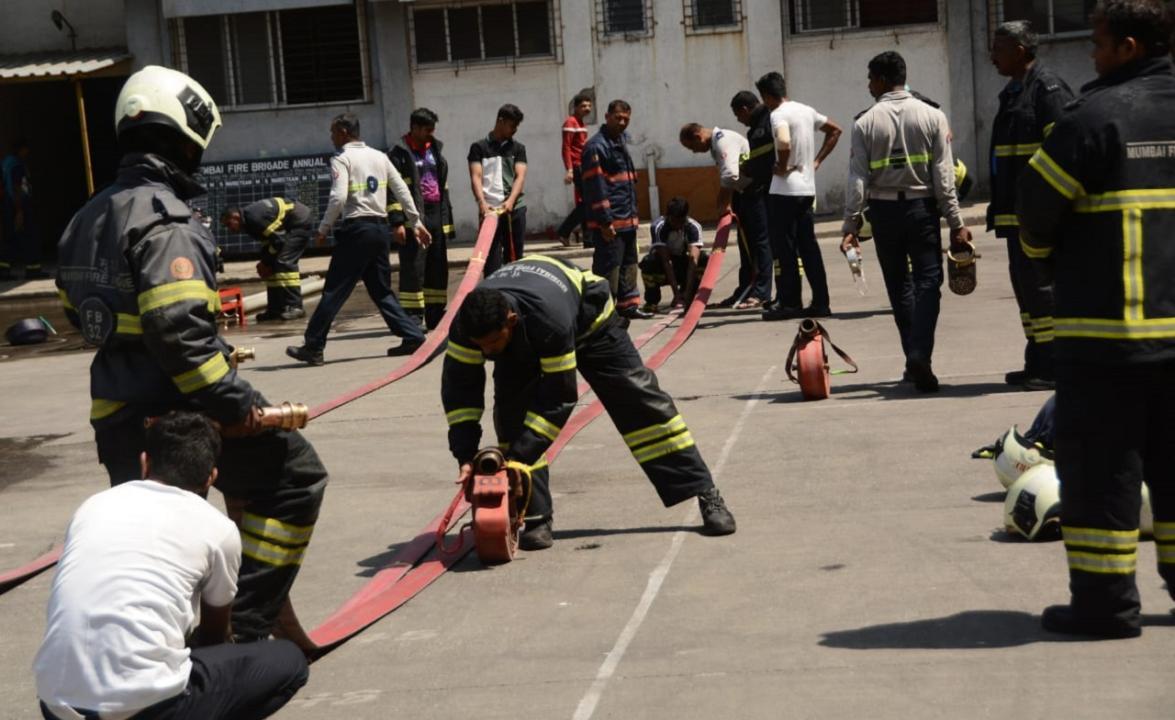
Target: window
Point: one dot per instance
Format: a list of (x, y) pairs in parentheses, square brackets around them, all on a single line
[(288, 57), (625, 17), (1050, 17), (817, 15), (713, 15), (485, 32)]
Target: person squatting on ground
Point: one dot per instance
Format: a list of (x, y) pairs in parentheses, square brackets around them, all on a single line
[(901, 163), (1094, 209), (676, 257), (136, 277), (574, 138), (791, 197), (140, 561), (1030, 104), (750, 204), (363, 241), (539, 320), (609, 186), (497, 177), (284, 228), (424, 272)]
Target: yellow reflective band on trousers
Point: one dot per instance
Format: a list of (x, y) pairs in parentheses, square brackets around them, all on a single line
[(412, 299), (1026, 322), (560, 363), (462, 354), (1116, 564), (100, 408), (1034, 252), (436, 297), (663, 448), (283, 207), (270, 553), (542, 426), (1009, 220), (1112, 329), (1164, 532), (1054, 175), (171, 293), (1100, 539), (284, 279), (1020, 150), (460, 415), (901, 161), (274, 529), (1043, 329), (655, 432), (210, 372)]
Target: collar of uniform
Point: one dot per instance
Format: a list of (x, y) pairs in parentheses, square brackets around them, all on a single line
[(1151, 66), (894, 95), (134, 168), (354, 144)]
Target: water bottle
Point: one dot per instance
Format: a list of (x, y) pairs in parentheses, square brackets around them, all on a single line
[(853, 255)]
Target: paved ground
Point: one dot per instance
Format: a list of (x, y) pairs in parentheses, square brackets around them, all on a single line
[(869, 577)]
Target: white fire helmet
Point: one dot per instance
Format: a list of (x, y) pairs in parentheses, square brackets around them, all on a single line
[(1146, 516), (1033, 505), (1016, 455), (162, 96)]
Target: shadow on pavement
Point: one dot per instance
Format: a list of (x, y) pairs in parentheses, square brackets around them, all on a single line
[(991, 497), (891, 390), (603, 532)]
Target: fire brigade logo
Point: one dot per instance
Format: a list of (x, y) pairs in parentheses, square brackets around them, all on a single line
[(182, 268), (96, 320)]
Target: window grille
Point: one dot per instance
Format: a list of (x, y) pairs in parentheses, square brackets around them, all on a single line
[(626, 18), (483, 32), (1050, 18), (823, 15), (707, 16)]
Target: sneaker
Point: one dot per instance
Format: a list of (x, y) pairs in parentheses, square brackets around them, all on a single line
[(1015, 377), (716, 518), (634, 313), (1039, 383), (536, 536), (1061, 619), (650, 308), (817, 312), (406, 347), (923, 376), (266, 316), (293, 314), (728, 302), (305, 354), (783, 312)]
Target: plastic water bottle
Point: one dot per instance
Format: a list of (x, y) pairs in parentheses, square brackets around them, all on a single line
[(853, 255)]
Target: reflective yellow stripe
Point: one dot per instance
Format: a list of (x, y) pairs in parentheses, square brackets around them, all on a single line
[(412, 299), (64, 298), (1034, 252), (275, 529), (356, 187), (561, 363), (436, 296), (460, 415), (655, 432), (460, 353), (663, 448), (269, 553), (283, 207), (126, 324), (286, 279), (581, 278), (542, 463), (1062, 182), (175, 292), (446, 229), (900, 161), (1111, 329), (1132, 282), (575, 275), (395, 207), (1016, 150), (757, 152), (1098, 538), (1048, 129), (1166, 554), (1164, 532), (1007, 221), (212, 370), (609, 309), (1151, 199), (1122, 564), (100, 408), (542, 426)]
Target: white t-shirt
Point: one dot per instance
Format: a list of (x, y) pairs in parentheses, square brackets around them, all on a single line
[(676, 241), (137, 560), (727, 148), (802, 122)]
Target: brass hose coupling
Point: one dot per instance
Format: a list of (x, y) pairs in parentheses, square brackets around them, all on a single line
[(287, 416)]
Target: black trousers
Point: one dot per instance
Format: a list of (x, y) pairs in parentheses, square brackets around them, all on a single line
[(754, 242), (508, 240), (577, 216), (616, 260), (361, 252), (1035, 300), (793, 234), (1114, 426), (248, 681), (280, 480), (424, 272), (653, 274), (909, 251), (644, 414), (283, 289)]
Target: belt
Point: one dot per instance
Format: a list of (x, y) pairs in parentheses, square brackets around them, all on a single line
[(900, 195), (367, 219)]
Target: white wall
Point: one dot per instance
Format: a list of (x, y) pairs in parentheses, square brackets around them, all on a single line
[(26, 26)]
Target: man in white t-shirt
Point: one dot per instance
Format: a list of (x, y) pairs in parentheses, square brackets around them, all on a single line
[(142, 562), (791, 197), (675, 257)]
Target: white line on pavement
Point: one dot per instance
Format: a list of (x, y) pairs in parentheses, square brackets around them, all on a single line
[(587, 704)]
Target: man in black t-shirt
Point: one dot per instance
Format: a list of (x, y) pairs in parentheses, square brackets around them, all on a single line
[(497, 173)]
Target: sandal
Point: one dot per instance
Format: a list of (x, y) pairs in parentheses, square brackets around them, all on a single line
[(749, 304)]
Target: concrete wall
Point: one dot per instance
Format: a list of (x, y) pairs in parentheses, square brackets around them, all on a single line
[(26, 26)]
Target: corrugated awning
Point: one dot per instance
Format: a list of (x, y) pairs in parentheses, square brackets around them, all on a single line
[(61, 65), (190, 8)]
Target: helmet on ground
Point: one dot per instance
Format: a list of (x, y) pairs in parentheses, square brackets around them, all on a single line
[(1033, 506), (162, 96), (1016, 454), (1146, 516)]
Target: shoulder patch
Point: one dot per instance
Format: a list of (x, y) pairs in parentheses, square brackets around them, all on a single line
[(170, 207), (182, 268)]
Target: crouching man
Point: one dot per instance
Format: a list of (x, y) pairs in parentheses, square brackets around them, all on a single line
[(676, 257)]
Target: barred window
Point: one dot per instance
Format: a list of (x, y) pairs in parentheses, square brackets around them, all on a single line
[(1049, 17), (625, 17), (712, 15), (484, 32), (288, 57), (819, 15)]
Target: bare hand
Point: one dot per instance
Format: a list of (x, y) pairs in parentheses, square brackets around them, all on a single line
[(784, 171), (319, 239), (508, 206), (484, 209), (850, 241), (465, 480), (264, 271), (608, 232), (423, 237), (815, 165), (398, 235), (960, 240), (569, 178)]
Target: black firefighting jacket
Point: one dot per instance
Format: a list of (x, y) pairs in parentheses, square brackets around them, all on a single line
[(1097, 204), (1027, 113), (270, 220), (609, 183), (559, 306), (137, 278), (759, 163), (405, 161)]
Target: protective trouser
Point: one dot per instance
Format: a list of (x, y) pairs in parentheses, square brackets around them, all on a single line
[(1034, 297), (653, 274), (283, 288), (1114, 427), (424, 272), (909, 251), (751, 208), (793, 235), (616, 260), (280, 482), (508, 240), (644, 414), (361, 252)]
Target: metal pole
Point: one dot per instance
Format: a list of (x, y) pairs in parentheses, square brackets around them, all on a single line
[(77, 89)]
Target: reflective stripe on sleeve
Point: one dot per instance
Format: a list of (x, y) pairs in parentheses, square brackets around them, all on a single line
[(210, 372), (460, 415), (274, 529), (171, 293), (561, 363), (1054, 175), (542, 426), (462, 354)]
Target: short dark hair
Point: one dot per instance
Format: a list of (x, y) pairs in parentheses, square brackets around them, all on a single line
[(889, 67), (348, 123), (772, 84), (183, 448), (688, 132), (743, 99), (228, 212), (483, 312), (511, 113), (1021, 33), (581, 97), (619, 105), (422, 117), (677, 207), (1149, 22)]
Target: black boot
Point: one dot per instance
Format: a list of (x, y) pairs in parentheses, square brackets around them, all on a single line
[(716, 518), (1062, 619), (536, 536)]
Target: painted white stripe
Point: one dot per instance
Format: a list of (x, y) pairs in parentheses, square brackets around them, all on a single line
[(587, 704)]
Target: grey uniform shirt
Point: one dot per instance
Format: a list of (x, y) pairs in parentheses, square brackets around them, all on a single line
[(362, 176), (726, 148), (901, 145)]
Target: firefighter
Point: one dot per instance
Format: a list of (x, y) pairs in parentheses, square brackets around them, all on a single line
[(1030, 104), (1094, 208), (750, 203), (284, 228), (540, 320), (136, 277), (424, 273)]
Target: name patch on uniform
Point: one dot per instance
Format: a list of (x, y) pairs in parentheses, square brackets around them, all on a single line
[(1150, 150), (182, 269), (95, 320)]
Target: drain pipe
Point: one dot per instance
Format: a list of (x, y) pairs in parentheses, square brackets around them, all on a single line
[(652, 153)]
